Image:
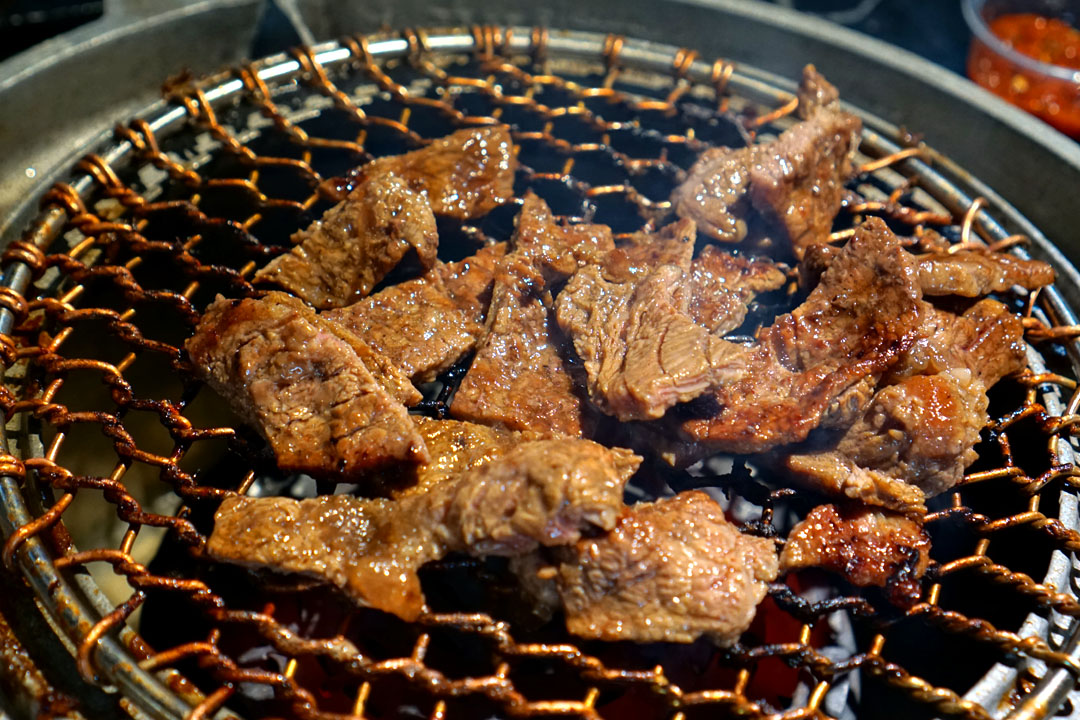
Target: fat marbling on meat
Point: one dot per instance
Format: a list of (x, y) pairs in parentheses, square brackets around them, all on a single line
[(307, 385)]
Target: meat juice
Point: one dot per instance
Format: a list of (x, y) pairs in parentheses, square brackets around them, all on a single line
[(1047, 40)]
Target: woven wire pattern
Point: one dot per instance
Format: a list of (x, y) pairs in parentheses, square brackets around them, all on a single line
[(96, 374)]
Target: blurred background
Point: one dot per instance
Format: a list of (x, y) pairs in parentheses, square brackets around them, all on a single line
[(934, 29)]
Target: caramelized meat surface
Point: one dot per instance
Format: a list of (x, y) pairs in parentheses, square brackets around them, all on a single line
[(538, 493), (722, 286), (302, 382), (972, 273), (520, 376), (465, 174), (920, 429), (644, 252), (794, 183), (425, 325), (340, 258), (816, 361), (669, 571), (867, 546), (799, 183), (641, 350)]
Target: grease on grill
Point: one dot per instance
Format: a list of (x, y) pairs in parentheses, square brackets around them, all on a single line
[(241, 637)]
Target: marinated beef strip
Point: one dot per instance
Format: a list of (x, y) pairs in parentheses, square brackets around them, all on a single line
[(867, 546), (341, 257), (538, 493), (557, 251), (303, 383), (644, 252), (670, 571), (919, 431), (465, 174), (814, 366), (795, 183), (799, 183), (642, 351), (973, 273), (427, 324), (966, 273), (723, 285), (520, 377)]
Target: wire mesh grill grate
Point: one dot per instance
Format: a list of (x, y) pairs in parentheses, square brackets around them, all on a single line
[(111, 428)]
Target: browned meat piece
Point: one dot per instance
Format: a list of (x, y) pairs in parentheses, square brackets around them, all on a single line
[(795, 182), (644, 252), (799, 182), (557, 251), (455, 447), (465, 174), (816, 361), (835, 474), (715, 192), (341, 257), (301, 382), (815, 92), (519, 377), (988, 340), (919, 431), (538, 493), (967, 273), (868, 547), (724, 284), (641, 350), (971, 273), (425, 325), (670, 571)]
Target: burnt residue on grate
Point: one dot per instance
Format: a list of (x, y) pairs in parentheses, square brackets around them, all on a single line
[(133, 443)]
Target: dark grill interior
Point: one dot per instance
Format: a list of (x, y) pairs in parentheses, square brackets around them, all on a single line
[(131, 455)]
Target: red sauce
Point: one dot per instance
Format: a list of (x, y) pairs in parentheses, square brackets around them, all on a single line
[(1047, 40)]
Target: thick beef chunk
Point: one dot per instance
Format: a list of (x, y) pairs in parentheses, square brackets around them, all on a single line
[(340, 258), (971, 273), (465, 174), (919, 430), (669, 571), (520, 377), (724, 284), (538, 493), (794, 183), (867, 546), (301, 382), (814, 365), (427, 324), (641, 350)]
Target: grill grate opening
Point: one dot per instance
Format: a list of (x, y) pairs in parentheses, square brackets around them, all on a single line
[(136, 454)]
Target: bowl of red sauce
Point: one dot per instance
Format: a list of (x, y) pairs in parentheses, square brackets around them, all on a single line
[(1028, 52)]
